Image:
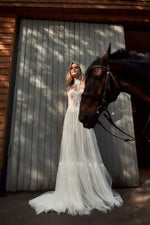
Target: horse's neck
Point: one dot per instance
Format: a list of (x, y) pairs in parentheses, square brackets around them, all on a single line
[(132, 77), (131, 68)]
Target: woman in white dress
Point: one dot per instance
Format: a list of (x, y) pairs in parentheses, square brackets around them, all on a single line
[(82, 182)]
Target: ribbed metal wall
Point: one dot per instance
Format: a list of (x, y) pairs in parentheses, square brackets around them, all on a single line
[(46, 49)]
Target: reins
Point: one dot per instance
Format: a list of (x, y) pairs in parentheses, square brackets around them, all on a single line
[(104, 107), (109, 119)]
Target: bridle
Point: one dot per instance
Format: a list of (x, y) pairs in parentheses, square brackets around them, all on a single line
[(103, 101)]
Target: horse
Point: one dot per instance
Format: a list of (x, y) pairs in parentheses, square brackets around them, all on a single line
[(107, 76)]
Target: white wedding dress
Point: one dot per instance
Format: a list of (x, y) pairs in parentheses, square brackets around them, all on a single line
[(83, 182)]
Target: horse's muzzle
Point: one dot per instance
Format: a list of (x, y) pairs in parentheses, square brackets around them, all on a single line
[(84, 119), (88, 120)]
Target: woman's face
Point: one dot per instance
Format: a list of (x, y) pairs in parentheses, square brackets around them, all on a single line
[(75, 70)]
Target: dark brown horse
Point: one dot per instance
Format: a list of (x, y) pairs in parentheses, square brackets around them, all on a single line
[(109, 75)]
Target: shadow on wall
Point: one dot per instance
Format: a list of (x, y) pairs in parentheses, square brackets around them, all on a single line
[(46, 48)]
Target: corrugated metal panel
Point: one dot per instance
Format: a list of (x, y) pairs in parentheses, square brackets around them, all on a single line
[(46, 49)]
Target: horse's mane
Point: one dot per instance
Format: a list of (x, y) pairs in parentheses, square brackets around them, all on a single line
[(124, 54), (121, 54)]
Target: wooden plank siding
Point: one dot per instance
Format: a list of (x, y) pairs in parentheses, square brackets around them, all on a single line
[(135, 12), (7, 42), (40, 103), (90, 11), (137, 4)]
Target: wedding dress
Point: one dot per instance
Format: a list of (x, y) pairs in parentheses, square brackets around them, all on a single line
[(82, 182)]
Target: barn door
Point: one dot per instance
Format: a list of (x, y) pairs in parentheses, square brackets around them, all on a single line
[(45, 51)]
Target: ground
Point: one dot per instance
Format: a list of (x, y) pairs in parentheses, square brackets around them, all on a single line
[(14, 210)]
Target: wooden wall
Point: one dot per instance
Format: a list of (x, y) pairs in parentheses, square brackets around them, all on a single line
[(101, 11), (135, 12), (7, 42), (124, 4), (40, 103)]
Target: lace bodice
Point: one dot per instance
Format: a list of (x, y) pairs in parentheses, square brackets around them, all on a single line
[(75, 93)]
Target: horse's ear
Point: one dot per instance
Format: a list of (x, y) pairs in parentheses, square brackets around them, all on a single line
[(106, 55)]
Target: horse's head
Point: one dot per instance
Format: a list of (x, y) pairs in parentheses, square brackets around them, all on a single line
[(100, 89)]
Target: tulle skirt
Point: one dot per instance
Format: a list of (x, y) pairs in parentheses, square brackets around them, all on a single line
[(82, 182)]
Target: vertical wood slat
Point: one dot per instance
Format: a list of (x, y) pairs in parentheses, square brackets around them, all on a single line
[(21, 120), (48, 144), (46, 50), (39, 74), (29, 111), (7, 45), (45, 79), (34, 69)]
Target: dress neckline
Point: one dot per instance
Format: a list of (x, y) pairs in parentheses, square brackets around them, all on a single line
[(77, 81)]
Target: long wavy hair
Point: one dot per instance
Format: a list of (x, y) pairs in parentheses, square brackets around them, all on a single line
[(69, 79)]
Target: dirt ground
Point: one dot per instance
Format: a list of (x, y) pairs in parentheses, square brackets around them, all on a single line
[(14, 210)]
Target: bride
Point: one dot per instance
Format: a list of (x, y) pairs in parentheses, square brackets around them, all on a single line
[(82, 182)]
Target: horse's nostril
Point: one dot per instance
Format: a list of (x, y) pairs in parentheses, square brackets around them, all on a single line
[(85, 119)]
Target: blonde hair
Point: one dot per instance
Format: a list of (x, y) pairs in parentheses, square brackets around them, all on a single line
[(69, 79)]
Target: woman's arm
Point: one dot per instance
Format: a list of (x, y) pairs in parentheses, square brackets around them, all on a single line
[(69, 99)]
